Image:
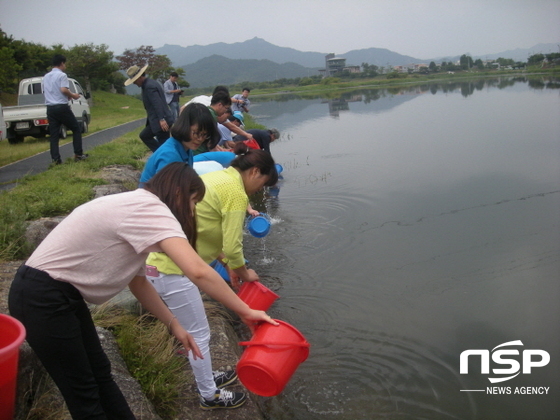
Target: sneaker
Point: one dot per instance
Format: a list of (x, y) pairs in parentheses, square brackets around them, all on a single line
[(224, 399), (78, 158), (57, 161), (223, 379)]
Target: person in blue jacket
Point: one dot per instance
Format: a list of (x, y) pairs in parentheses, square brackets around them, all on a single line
[(194, 127)]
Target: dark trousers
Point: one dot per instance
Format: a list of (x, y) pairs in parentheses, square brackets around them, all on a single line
[(59, 115), (60, 330), (147, 136)]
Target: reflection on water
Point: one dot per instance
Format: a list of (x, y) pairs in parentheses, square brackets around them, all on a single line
[(416, 224), (273, 107)]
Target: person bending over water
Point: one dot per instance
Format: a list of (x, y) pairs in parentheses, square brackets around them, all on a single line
[(93, 254)]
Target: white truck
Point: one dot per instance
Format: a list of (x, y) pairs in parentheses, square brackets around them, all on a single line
[(29, 117)]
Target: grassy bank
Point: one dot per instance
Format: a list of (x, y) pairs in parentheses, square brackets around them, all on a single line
[(58, 191), (403, 79), (62, 188), (145, 344), (148, 348)]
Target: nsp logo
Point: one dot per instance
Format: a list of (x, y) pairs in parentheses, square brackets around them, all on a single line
[(530, 359)]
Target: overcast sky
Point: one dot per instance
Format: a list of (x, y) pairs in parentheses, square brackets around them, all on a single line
[(418, 28)]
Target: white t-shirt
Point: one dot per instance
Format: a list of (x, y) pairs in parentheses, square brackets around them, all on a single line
[(201, 99), (206, 166), (103, 244)]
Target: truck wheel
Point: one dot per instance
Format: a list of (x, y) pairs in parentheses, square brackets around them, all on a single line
[(84, 125), (63, 132), (17, 139)]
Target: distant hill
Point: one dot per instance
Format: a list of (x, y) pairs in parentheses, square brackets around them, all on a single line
[(256, 49), (258, 60), (259, 49), (218, 70), (518, 54), (522, 54), (380, 57)]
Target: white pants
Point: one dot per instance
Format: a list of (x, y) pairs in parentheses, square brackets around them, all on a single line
[(184, 301)]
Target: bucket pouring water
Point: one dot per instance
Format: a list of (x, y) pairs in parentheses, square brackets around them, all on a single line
[(271, 358), (257, 295), (221, 270), (12, 334), (259, 226)]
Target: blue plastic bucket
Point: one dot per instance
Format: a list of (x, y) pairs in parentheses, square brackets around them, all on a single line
[(220, 269), (259, 226)]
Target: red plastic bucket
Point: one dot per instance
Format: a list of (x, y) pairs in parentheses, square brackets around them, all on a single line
[(12, 334), (271, 358), (257, 295)]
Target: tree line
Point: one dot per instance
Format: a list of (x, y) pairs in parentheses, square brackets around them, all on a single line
[(94, 66)]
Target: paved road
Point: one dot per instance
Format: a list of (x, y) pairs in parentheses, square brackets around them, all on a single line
[(9, 174)]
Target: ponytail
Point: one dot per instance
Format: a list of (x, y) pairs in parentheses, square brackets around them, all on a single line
[(248, 158)]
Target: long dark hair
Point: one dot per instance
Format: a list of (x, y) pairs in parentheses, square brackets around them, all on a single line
[(174, 185), (198, 114), (248, 158)]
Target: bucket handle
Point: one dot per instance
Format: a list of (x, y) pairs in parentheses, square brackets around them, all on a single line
[(281, 343)]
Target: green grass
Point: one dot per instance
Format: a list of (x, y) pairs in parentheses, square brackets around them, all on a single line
[(59, 190), (109, 110), (62, 188), (150, 354)]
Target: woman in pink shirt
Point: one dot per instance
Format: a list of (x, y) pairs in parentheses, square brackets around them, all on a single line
[(93, 254)]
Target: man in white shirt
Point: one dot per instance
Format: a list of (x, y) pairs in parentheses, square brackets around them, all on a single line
[(56, 88)]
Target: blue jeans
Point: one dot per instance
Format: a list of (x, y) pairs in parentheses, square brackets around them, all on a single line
[(174, 107), (61, 332)]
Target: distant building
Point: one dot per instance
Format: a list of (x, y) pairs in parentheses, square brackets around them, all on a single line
[(411, 68), (353, 69), (333, 65)]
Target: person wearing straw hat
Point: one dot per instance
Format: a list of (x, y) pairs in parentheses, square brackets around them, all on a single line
[(159, 117)]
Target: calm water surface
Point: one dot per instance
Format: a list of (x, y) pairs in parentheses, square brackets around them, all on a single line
[(411, 226)]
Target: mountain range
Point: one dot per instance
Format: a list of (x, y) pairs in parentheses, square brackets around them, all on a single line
[(257, 60)]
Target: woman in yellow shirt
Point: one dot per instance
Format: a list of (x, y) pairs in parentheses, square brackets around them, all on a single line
[(220, 217), (50, 292)]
